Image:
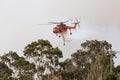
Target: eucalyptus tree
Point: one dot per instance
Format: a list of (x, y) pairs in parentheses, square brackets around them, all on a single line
[(117, 71), (5, 72), (90, 62), (81, 62), (21, 68), (67, 70), (45, 57), (95, 47), (100, 56), (25, 68), (112, 76), (9, 58)]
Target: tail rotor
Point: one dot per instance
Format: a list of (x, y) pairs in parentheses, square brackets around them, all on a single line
[(78, 22)]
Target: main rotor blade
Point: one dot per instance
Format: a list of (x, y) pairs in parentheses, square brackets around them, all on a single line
[(78, 22), (60, 22), (54, 22)]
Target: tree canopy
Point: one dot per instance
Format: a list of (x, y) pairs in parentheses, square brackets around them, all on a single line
[(92, 61)]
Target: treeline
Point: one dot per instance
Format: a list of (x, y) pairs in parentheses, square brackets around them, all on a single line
[(93, 61)]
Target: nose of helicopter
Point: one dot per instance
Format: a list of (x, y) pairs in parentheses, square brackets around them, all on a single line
[(55, 30)]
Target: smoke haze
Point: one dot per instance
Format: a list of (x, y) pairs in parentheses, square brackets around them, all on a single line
[(18, 21)]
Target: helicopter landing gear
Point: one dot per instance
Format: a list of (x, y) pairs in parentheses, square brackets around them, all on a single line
[(59, 36), (70, 33)]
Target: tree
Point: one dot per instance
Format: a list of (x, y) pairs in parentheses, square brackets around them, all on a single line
[(9, 58), (67, 70), (81, 61), (26, 69), (91, 62), (5, 72), (22, 69), (117, 71), (111, 76), (44, 56), (100, 58)]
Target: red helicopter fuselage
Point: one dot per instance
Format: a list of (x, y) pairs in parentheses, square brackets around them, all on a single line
[(63, 28)]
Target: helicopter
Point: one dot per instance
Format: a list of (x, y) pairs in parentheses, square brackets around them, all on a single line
[(62, 28)]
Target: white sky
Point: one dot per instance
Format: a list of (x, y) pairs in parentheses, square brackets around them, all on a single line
[(19, 19)]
